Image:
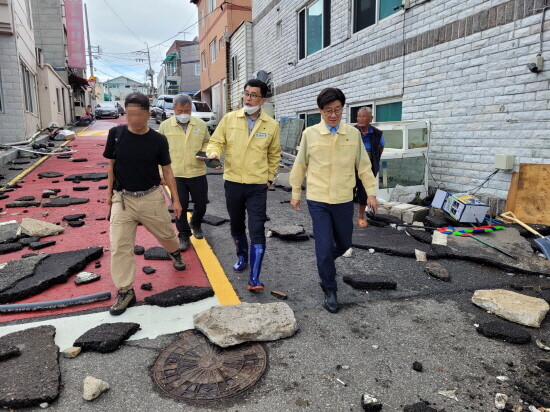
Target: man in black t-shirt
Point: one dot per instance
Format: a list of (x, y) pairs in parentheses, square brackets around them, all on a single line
[(135, 153)]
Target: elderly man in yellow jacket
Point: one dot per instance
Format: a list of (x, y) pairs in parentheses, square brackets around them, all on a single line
[(250, 140), (329, 154), (186, 136)]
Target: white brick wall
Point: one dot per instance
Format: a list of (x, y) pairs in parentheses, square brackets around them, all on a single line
[(476, 90)]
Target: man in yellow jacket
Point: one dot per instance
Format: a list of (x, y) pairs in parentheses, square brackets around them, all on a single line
[(329, 154), (186, 136), (251, 142)]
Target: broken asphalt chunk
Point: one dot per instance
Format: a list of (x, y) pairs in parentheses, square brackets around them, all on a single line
[(139, 250), (370, 403), (30, 203), (25, 199), (156, 253), (419, 407), (544, 364), (8, 352), (64, 201), (370, 282), (54, 269), (290, 232), (9, 231), (214, 220), (87, 176), (417, 366), (234, 324), (50, 174), (279, 295), (79, 160), (107, 337), (70, 218), (437, 271), (512, 306), (148, 270), (33, 377), (18, 269), (76, 223), (10, 247), (41, 244), (179, 296), (80, 188), (505, 331), (147, 286)]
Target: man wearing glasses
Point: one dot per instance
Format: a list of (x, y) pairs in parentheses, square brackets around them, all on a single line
[(250, 140), (329, 154)]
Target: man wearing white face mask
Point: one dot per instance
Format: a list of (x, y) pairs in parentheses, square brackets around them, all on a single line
[(186, 136), (250, 139)]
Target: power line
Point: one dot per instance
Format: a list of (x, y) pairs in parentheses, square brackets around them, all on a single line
[(125, 25)]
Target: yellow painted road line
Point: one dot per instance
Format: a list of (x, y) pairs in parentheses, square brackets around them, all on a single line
[(32, 167), (92, 133), (214, 272)]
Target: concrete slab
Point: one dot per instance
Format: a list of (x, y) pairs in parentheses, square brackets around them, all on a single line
[(33, 377)]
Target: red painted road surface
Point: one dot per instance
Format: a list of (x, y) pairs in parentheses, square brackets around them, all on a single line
[(93, 233)]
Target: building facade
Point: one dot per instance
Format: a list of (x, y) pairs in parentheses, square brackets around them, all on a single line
[(217, 20), (241, 63), (120, 87), (19, 107), (460, 65)]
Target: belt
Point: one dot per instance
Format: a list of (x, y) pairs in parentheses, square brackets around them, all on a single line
[(139, 194), (142, 193)]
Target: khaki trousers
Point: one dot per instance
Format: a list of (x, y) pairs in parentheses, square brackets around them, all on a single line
[(152, 212)]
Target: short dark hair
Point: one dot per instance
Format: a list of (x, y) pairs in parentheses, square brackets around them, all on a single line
[(138, 99), (257, 83), (329, 95)]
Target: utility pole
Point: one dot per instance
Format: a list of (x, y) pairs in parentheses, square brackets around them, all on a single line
[(150, 72), (89, 52)]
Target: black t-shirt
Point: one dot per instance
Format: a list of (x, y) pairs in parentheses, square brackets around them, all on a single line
[(138, 157)]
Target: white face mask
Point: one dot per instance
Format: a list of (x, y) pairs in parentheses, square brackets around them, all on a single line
[(183, 118), (251, 109)]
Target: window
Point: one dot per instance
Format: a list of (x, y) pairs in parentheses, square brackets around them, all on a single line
[(203, 59), (213, 51), (355, 109), (389, 112), (314, 28), (222, 44), (29, 16), (368, 12), (58, 100), (279, 30), (311, 118), (29, 89), (197, 69), (211, 5), (234, 67)]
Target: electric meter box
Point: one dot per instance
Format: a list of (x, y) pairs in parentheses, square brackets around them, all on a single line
[(462, 207)]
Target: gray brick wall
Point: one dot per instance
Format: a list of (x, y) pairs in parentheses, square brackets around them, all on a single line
[(459, 64), (12, 121)]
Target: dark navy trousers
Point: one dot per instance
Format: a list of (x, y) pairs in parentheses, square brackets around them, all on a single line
[(242, 198), (332, 229), (197, 187)]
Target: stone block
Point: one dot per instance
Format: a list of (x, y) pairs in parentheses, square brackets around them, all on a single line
[(399, 209), (39, 228), (248, 322), (512, 306), (437, 271), (93, 387), (416, 213)]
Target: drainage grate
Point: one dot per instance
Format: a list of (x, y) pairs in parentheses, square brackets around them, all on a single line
[(194, 369)]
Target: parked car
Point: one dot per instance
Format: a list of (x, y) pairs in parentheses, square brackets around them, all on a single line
[(107, 109), (165, 109), (120, 109)]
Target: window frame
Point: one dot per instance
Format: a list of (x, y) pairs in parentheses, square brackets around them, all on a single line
[(203, 58), (304, 116), (197, 69), (279, 30), (377, 19), (213, 50), (58, 97), (302, 28), (211, 6), (358, 105), (234, 67), (29, 88)]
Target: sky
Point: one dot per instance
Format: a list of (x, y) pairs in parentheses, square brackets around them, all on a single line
[(122, 27)]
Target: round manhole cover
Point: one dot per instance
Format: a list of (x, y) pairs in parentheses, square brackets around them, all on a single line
[(194, 369)]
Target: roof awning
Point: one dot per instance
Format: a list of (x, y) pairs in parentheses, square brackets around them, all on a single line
[(75, 80), (170, 57)]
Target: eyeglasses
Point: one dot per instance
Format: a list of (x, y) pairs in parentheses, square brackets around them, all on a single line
[(252, 96), (337, 112)]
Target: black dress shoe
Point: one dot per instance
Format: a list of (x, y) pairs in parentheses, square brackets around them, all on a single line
[(197, 232), (184, 242), (331, 300)]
